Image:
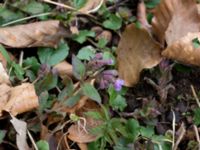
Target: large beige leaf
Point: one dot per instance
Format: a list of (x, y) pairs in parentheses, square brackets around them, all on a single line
[(173, 19), (183, 50), (22, 99), (4, 96), (136, 51), (44, 33)]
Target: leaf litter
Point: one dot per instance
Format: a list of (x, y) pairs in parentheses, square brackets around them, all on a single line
[(126, 90)]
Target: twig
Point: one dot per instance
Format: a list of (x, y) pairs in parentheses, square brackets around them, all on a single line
[(21, 58), (32, 140), (195, 95), (197, 135), (182, 133), (173, 128), (26, 18)]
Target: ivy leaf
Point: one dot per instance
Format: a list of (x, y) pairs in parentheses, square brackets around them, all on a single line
[(114, 22), (91, 92), (78, 68), (83, 35), (42, 145), (86, 53), (52, 56)]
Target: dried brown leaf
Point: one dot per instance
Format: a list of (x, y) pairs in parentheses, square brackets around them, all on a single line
[(64, 69), (44, 33), (79, 135), (4, 78), (21, 129), (91, 6), (22, 99), (4, 96), (142, 16), (183, 50), (136, 51), (173, 19)]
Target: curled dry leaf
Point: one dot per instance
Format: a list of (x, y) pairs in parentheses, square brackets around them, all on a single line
[(91, 6), (44, 33), (142, 16), (184, 50), (4, 96), (64, 69), (136, 51), (173, 19), (22, 99), (80, 133), (4, 78), (21, 129)]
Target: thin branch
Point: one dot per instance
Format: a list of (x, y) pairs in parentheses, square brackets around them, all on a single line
[(197, 135), (26, 18), (173, 128), (181, 135)]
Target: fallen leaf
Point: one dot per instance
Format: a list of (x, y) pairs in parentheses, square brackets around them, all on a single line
[(21, 129), (64, 69), (22, 99), (79, 135), (82, 146), (4, 96), (44, 34), (183, 50), (4, 78), (91, 6), (142, 16), (173, 19), (136, 51)]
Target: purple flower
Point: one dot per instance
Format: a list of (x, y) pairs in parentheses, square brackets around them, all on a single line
[(98, 56), (118, 84)]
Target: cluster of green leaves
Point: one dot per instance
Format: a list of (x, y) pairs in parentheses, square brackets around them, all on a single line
[(120, 133)]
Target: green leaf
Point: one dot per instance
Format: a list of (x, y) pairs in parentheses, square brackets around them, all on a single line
[(7, 15), (102, 42), (152, 3), (70, 102), (43, 98), (196, 42), (5, 54), (197, 116), (147, 131), (32, 63), (47, 83), (83, 35), (91, 92), (86, 53), (118, 103), (42, 145), (79, 69), (133, 129), (2, 135), (18, 70), (94, 114), (114, 22), (67, 91), (79, 3), (33, 8), (52, 56)]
